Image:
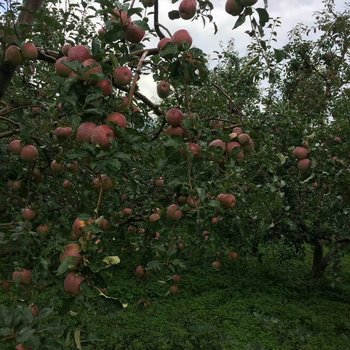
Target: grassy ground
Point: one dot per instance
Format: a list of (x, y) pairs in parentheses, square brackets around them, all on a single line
[(245, 305)]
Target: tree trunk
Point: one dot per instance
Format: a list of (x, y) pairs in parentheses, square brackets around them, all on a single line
[(319, 263)]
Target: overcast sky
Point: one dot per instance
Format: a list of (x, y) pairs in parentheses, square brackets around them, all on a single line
[(290, 12)]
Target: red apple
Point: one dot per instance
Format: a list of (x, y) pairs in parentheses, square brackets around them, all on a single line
[(29, 153), (140, 271), (105, 181), (61, 69), (195, 149), (187, 9), (233, 256), (159, 182), (121, 16), (134, 33), (34, 309), (29, 51), (20, 347), (163, 89), (118, 119), (57, 167), (92, 67), (244, 139), (218, 143), (227, 200), (84, 132), (304, 164), (127, 211), (106, 87), (233, 7), (216, 265), (77, 228), (13, 55), (79, 53), (43, 229), (28, 214), (174, 117), (300, 152), (154, 217), (177, 131), (176, 278), (122, 75), (174, 289), (163, 42), (63, 132), (65, 48), (71, 250), (72, 283), (182, 39), (231, 146), (23, 276), (193, 202), (67, 184), (102, 136), (173, 212), (15, 146)]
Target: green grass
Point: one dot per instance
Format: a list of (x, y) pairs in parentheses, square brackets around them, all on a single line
[(246, 305)]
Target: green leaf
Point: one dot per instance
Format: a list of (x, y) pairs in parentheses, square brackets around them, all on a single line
[(263, 16), (239, 22)]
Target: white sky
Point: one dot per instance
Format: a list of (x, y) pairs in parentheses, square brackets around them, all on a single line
[(290, 12)]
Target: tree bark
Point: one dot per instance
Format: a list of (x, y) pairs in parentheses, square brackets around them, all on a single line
[(319, 263)]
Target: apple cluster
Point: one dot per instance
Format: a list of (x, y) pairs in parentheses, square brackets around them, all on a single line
[(17, 55), (301, 153)]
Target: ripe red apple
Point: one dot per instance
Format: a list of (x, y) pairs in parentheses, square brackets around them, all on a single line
[(195, 149), (72, 283), (233, 7), (23, 276), (61, 69), (84, 132), (127, 211), (177, 131), (134, 33), (57, 167), (105, 181), (77, 228), (173, 212), (174, 289), (20, 347), (105, 224), (102, 136), (15, 185), (63, 132), (118, 119), (215, 220), (121, 16), (227, 200), (43, 229), (29, 51), (216, 265), (65, 48), (182, 39), (34, 309), (237, 130), (244, 139), (163, 89), (187, 9), (13, 55), (122, 75), (140, 271), (233, 256), (73, 166), (218, 143), (154, 217), (174, 117), (176, 278), (67, 184), (192, 201), (304, 164), (159, 182), (15, 146), (231, 146), (79, 53), (163, 42), (71, 250), (28, 214), (92, 67), (300, 152), (29, 153), (106, 87)]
